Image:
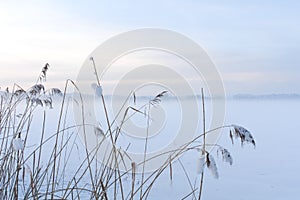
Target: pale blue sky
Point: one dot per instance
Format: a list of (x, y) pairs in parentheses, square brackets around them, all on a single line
[(255, 44)]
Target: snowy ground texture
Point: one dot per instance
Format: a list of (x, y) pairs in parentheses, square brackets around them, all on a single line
[(270, 171)]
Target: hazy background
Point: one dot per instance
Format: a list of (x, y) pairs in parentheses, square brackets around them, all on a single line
[(254, 44)]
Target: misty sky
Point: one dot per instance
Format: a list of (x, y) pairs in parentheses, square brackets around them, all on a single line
[(255, 44)]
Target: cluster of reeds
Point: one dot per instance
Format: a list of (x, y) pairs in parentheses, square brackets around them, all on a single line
[(43, 171)]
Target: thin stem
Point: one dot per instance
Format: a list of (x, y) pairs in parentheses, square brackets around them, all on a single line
[(204, 139)]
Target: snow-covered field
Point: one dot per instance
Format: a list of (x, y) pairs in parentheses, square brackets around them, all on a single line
[(269, 171)]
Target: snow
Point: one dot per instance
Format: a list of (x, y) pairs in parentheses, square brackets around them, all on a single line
[(269, 171), (225, 155), (212, 166), (18, 144), (98, 89), (200, 164)]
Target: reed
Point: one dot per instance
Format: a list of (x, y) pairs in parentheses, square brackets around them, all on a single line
[(42, 171)]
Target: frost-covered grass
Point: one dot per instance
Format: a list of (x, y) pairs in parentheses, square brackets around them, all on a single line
[(41, 156)]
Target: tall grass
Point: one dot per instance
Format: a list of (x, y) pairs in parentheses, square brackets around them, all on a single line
[(43, 171)]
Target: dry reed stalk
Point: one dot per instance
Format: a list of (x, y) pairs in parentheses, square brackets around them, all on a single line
[(204, 143), (107, 180)]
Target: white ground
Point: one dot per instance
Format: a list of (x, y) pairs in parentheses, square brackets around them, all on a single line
[(270, 171)]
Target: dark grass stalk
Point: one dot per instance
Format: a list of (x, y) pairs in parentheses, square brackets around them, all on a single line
[(33, 188), (85, 170), (108, 124), (75, 186), (62, 144), (157, 173), (170, 169), (67, 156), (42, 138), (60, 151), (204, 143), (56, 140), (151, 184), (51, 137), (16, 185), (58, 130), (188, 178), (44, 174), (145, 149), (19, 153), (106, 178), (190, 194), (176, 153), (133, 166)]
